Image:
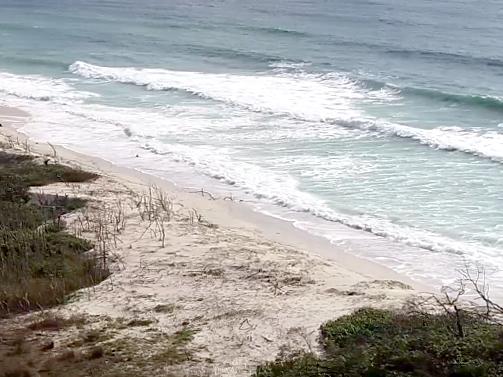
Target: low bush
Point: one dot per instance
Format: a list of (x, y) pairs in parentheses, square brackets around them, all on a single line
[(381, 343)]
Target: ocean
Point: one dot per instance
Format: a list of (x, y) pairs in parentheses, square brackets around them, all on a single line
[(377, 124)]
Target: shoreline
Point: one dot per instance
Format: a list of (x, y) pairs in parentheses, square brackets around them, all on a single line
[(244, 287), (222, 212)]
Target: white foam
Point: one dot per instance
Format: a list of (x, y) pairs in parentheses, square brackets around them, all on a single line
[(39, 88), (307, 96), (484, 144)]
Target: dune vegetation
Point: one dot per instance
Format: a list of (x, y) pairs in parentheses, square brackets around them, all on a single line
[(40, 264)]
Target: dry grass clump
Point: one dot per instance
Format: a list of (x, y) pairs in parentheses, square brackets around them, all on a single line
[(174, 350), (55, 323), (165, 308)]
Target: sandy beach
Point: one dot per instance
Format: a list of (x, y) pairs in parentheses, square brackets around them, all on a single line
[(251, 287)]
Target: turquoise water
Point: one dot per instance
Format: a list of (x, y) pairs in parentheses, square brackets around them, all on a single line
[(376, 124)]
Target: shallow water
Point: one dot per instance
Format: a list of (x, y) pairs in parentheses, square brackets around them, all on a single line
[(383, 116)]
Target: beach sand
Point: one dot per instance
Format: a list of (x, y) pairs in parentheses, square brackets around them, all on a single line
[(249, 286)]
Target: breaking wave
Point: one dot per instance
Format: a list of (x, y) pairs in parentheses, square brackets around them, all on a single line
[(324, 98)]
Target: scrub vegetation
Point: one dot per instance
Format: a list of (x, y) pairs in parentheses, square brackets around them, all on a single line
[(437, 337)]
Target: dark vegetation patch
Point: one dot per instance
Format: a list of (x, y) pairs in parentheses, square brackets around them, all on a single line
[(165, 308), (31, 173), (381, 343), (139, 322), (39, 263)]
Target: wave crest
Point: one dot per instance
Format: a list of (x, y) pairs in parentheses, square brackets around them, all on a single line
[(302, 95), (488, 102), (488, 145), (322, 98)]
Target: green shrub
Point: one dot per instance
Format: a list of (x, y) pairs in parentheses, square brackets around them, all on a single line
[(379, 343), (364, 323), (32, 173), (304, 365)]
